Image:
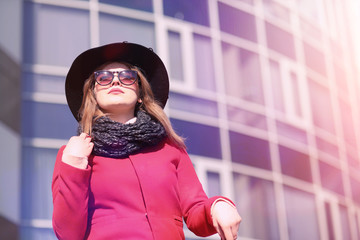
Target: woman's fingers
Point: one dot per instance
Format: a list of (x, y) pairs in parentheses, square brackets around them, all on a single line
[(226, 220)]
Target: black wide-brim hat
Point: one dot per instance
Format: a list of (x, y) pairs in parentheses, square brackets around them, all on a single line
[(86, 63)]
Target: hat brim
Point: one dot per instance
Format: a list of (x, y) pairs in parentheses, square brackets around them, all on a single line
[(135, 54)]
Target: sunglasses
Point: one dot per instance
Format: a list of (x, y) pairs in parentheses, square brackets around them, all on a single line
[(126, 77)]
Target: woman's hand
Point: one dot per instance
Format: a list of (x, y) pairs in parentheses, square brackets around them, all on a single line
[(77, 151), (226, 220)]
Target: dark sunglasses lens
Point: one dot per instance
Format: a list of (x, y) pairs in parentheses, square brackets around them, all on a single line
[(127, 77), (103, 77)]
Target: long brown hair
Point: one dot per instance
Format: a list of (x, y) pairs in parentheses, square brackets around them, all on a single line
[(90, 111)]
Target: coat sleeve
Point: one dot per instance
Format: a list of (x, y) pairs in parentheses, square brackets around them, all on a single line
[(70, 190), (195, 204)]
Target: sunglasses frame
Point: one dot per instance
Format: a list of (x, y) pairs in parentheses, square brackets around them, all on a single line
[(96, 73)]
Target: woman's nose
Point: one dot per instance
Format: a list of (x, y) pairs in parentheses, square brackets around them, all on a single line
[(116, 80)]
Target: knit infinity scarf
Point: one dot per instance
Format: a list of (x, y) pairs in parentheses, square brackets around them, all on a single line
[(118, 140)]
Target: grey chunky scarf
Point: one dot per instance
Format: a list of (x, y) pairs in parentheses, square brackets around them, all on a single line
[(117, 140)]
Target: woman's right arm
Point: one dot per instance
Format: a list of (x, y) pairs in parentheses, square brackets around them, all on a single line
[(70, 189)]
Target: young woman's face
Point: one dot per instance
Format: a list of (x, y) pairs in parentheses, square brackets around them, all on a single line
[(116, 97)]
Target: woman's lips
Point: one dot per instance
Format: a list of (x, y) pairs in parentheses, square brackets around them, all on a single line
[(116, 90)]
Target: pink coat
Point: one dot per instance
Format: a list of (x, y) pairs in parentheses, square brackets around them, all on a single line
[(144, 196)]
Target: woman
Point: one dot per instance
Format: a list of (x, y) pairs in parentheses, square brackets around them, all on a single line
[(127, 175)]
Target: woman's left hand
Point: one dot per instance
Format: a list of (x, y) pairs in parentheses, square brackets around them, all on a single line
[(226, 220)]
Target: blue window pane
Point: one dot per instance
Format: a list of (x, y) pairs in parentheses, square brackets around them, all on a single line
[(322, 112), (327, 147), (175, 56), (144, 5), (329, 221), (205, 76), (255, 200), (347, 120), (43, 83), (37, 169), (54, 35), (276, 10), (250, 151), (32, 233), (345, 224), (242, 73), (295, 164), (291, 132), (309, 29), (302, 219), (341, 78), (118, 29), (237, 22), (46, 120), (276, 85), (250, 2), (214, 186), (355, 190), (331, 178), (242, 116), (357, 225), (200, 139), (280, 41), (353, 158), (314, 59), (195, 11), (193, 104)]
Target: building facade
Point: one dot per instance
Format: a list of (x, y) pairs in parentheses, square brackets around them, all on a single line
[(264, 91)]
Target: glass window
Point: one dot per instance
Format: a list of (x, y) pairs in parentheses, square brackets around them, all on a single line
[(314, 59), (322, 112), (341, 79), (291, 132), (54, 35), (214, 186), (295, 94), (274, 9), (242, 73), (309, 9), (37, 169), (310, 30), (331, 178), (345, 224), (31, 233), (46, 120), (117, 29), (301, 214), (144, 5), (193, 104), (242, 116), (327, 147), (276, 84), (237, 22), (355, 189), (175, 56), (352, 158), (43, 83), (200, 139), (280, 40), (195, 11), (329, 221), (250, 2), (205, 75), (295, 164), (347, 123), (337, 50), (249, 150), (255, 200), (357, 226)]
